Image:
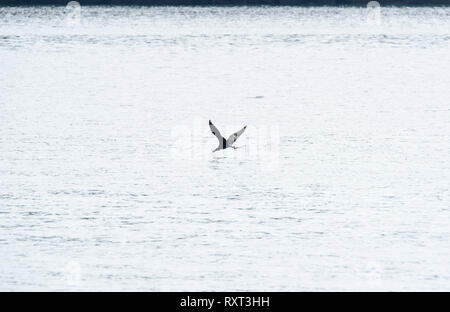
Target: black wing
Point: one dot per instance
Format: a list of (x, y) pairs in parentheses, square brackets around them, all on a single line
[(235, 136), (215, 131)]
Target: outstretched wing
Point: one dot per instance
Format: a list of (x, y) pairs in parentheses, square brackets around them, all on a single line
[(215, 131), (235, 136)]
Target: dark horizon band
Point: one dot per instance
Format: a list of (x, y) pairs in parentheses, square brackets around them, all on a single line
[(359, 3)]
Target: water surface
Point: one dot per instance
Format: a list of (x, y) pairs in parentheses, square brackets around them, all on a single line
[(95, 193)]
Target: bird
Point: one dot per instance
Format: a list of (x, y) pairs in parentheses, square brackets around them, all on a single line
[(223, 144)]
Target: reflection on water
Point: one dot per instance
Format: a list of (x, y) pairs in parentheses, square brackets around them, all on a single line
[(92, 197)]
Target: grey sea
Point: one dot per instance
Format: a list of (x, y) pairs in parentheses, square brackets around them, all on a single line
[(107, 176)]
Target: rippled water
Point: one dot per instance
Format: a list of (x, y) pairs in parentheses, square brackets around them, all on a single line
[(341, 181)]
